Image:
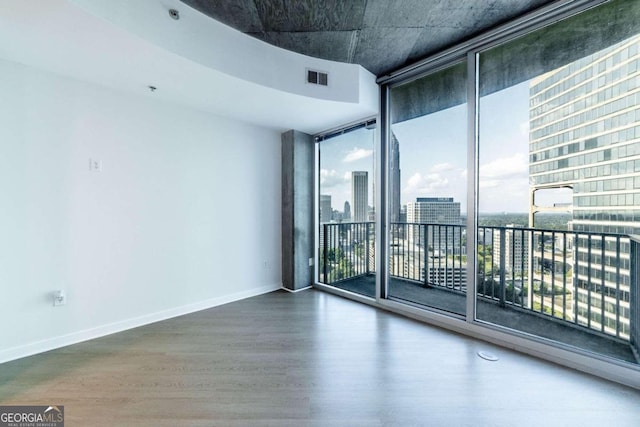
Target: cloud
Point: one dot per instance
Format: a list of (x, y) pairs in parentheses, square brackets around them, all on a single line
[(508, 179), (331, 178), (524, 129), (357, 154), (441, 179), (426, 184), (513, 167), (442, 167)]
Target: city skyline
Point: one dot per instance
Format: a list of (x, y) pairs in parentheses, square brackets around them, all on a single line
[(503, 158), (339, 157), (556, 145), (436, 165)]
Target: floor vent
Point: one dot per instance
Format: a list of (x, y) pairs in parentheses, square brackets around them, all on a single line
[(317, 77)]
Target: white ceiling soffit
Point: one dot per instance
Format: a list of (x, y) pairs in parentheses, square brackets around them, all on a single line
[(195, 61)]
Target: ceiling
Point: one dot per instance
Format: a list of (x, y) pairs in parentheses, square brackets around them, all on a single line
[(126, 46), (129, 45), (382, 36)]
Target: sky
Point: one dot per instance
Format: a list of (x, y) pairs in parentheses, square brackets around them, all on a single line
[(433, 155), (339, 156)]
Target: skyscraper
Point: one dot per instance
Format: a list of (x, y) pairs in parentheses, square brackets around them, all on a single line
[(347, 211), (585, 135), (434, 211), (325, 208), (360, 195), (394, 180), (516, 249)]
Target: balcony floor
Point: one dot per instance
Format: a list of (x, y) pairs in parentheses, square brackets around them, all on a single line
[(520, 320)]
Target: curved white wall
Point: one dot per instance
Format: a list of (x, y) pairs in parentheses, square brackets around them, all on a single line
[(195, 62), (204, 40)]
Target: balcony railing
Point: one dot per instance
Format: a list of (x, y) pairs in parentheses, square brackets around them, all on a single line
[(346, 251), (581, 278), (578, 277)]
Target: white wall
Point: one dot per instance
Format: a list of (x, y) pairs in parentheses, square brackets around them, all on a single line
[(233, 52), (184, 215), (128, 45)]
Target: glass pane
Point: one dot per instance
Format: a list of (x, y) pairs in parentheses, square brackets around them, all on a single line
[(347, 216), (559, 181), (428, 191)]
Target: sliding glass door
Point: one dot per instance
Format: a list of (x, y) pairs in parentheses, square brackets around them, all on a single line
[(428, 191), (346, 244), (510, 193), (559, 181)]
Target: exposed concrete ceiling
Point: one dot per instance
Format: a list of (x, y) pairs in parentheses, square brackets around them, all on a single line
[(128, 45), (379, 35)]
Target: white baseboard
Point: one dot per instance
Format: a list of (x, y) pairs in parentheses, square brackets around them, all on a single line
[(296, 290), (111, 328)]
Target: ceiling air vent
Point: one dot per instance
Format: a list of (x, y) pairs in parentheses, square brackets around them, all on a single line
[(317, 77)]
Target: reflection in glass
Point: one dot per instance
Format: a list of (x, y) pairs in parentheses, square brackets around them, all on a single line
[(559, 185)]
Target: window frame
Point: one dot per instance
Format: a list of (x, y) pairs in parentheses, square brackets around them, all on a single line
[(469, 51)]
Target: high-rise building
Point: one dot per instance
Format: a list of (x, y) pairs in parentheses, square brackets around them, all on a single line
[(394, 180), (360, 195), (436, 212), (347, 211), (514, 241), (433, 232), (325, 208), (585, 135)]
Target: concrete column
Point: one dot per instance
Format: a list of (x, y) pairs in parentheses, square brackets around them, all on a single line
[(297, 209)]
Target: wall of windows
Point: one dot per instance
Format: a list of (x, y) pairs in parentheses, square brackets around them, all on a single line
[(510, 177), (568, 123)]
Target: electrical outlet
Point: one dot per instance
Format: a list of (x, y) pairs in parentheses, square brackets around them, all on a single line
[(310, 262), (59, 298)]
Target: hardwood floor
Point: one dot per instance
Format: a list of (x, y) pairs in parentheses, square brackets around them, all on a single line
[(520, 320), (307, 359)]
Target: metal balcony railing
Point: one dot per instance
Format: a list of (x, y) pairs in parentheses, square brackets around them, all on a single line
[(346, 251), (586, 279), (577, 277)]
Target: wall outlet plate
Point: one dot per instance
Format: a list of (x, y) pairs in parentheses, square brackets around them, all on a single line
[(95, 165), (59, 298)]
